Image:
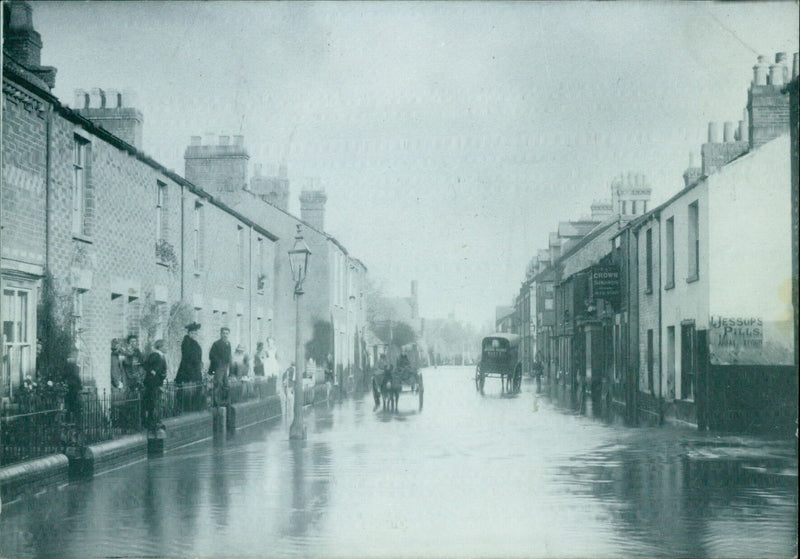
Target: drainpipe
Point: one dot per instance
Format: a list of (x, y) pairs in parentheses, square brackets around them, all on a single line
[(660, 334), (250, 346), (633, 273), (48, 189), (183, 239)]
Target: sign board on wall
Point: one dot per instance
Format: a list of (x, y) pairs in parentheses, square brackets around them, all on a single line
[(749, 340), (605, 282)]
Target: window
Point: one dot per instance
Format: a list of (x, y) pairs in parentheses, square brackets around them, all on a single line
[(649, 260), (80, 148), (240, 254), (650, 380), (261, 279), (161, 211), (644, 206), (624, 207), (694, 243), (124, 317), (670, 234), (548, 304), (197, 238), (17, 333), (688, 361), (670, 362), (633, 207)]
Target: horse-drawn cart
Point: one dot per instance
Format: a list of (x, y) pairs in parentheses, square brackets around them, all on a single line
[(500, 358), (387, 386)]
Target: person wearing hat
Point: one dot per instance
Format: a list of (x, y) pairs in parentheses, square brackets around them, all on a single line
[(190, 370), (219, 358)]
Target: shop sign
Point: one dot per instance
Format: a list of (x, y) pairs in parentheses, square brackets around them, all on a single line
[(605, 282), (749, 340)]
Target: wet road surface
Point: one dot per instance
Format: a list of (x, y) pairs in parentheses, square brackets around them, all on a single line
[(471, 475)]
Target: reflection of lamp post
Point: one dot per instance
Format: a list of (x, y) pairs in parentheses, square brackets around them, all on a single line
[(298, 260)]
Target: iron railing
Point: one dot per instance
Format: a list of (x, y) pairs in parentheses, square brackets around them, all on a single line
[(27, 436), (36, 425)]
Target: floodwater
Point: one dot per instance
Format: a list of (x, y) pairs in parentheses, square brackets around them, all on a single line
[(470, 475)]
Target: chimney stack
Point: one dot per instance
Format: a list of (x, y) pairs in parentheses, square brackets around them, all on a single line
[(312, 208), (767, 104), (692, 172), (716, 154), (111, 110), (215, 165), (23, 43)]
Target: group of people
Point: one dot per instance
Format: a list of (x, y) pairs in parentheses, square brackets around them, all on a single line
[(132, 373)]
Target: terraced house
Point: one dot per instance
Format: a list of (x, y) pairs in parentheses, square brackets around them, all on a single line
[(131, 247)]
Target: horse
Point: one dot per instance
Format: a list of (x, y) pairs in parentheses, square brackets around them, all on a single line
[(390, 390)]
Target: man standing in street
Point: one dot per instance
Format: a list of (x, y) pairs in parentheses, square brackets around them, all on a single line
[(155, 367), (219, 364), (190, 370)]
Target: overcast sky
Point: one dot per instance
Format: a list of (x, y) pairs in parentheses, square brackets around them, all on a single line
[(450, 137)]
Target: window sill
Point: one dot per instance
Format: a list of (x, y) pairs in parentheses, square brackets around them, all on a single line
[(260, 292), (240, 286), (198, 273), (692, 279), (82, 238), (670, 285), (648, 291), (164, 264)]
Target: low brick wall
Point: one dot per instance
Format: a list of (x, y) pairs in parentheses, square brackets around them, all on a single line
[(188, 428), (98, 458), (250, 413), (31, 476)]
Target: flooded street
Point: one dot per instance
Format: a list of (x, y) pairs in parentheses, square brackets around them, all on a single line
[(470, 475)]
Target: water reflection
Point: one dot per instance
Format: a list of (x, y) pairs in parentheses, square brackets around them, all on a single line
[(473, 475), (220, 495), (669, 497)]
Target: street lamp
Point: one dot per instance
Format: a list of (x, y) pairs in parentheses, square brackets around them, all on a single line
[(298, 260)]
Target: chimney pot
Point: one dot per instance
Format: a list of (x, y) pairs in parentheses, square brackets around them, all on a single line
[(128, 98), (95, 98), (713, 133), (112, 99), (224, 140), (742, 130), (776, 74), (728, 133), (81, 99), (760, 71), (195, 141)]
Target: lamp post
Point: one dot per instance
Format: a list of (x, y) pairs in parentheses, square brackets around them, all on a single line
[(298, 260)]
